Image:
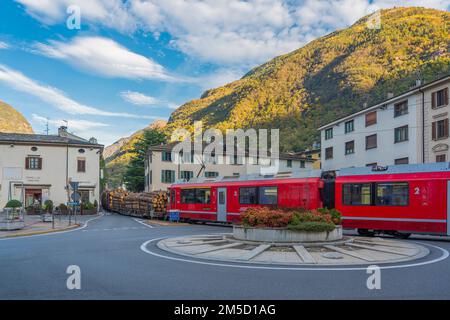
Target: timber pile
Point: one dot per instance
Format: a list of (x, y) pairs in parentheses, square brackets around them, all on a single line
[(146, 204)]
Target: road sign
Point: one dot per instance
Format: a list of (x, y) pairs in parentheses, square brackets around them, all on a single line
[(75, 196), (74, 185)]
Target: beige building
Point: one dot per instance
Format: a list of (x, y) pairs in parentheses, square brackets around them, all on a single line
[(36, 168), (161, 171), (412, 127)]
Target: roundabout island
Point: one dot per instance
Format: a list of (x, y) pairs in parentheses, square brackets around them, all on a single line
[(293, 237), (347, 251)]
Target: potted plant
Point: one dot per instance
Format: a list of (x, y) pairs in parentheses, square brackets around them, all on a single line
[(88, 208), (48, 206), (63, 208), (13, 205)]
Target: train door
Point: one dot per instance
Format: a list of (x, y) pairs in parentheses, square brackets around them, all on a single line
[(448, 207), (222, 204)]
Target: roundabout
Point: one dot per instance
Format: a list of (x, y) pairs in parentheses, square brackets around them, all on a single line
[(350, 253)]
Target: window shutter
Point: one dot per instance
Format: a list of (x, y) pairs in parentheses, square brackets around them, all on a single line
[(433, 130), (27, 163), (446, 128), (446, 96), (433, 100), (40, 163)]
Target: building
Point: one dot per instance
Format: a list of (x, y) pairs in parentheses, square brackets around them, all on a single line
[(35, 168), (412, 127), (313, 154), (161, 171)]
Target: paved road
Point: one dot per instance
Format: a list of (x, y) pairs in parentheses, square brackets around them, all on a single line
[(114, 267)]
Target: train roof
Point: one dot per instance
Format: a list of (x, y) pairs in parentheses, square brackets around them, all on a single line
[(398, 169), (252, 177)]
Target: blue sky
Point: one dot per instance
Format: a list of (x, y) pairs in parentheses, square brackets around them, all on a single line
[(134, 61)]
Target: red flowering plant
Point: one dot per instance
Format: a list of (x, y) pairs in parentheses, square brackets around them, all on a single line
[(265, 217), (297, 219)]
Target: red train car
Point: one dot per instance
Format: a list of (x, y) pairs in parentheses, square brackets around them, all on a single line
[(399, 200), (224, 199)]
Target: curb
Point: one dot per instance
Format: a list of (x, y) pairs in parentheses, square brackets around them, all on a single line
[(41, 232), (75, 227)]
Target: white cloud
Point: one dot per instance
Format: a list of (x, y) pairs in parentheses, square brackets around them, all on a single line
[(224, 31), (53, 96), (111, 13), (73, 124), (138, 98), (4, 45), (104, 57)]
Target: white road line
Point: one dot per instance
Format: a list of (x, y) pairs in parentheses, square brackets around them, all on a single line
[(85, 224), (445, 255), (143, 223)]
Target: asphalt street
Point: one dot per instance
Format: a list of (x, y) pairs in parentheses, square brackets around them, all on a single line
[(109, 252)]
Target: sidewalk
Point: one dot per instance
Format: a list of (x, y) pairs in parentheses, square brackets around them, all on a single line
[(34, 226)]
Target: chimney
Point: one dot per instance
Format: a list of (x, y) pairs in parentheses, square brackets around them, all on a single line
[(62, 131), (390, 95), (418, 82)]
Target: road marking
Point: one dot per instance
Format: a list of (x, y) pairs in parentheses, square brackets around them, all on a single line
[(56, 232), (143, 223), (445, 255)]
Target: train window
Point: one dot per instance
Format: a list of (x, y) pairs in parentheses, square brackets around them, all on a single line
[(203, 196), (172, 196), (188, 196), (357, 194), (221, 197), (199, 196), (268, 195), (248, 195), (392, 194)]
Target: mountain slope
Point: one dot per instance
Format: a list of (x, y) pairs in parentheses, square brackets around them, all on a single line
[(329, 77), (12, 121), (118, 155)]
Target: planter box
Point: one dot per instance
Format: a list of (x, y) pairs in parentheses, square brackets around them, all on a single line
[(285, 235), (11, 225), (89, 212)]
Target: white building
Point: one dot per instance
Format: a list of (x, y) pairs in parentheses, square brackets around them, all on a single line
[(39, 167), (409, 128), (161, 171)]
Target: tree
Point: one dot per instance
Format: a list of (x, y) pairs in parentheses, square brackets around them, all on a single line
[(134, 177)]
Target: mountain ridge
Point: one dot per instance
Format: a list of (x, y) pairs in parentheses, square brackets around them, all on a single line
[(12, 121), (328, 78)]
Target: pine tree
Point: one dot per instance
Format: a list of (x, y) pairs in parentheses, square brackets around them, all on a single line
[(134, 177)]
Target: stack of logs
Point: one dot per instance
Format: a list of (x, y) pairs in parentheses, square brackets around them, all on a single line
[(146, 204)]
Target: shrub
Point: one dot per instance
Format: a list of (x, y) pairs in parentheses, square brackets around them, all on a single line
[(62, 207), (335, 215), (48, 206), (312, 226), (266, 217), (13, 204), (88, 206), (96, 203), (298, 219)]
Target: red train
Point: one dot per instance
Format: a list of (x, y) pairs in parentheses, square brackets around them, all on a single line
[(398, 200)]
